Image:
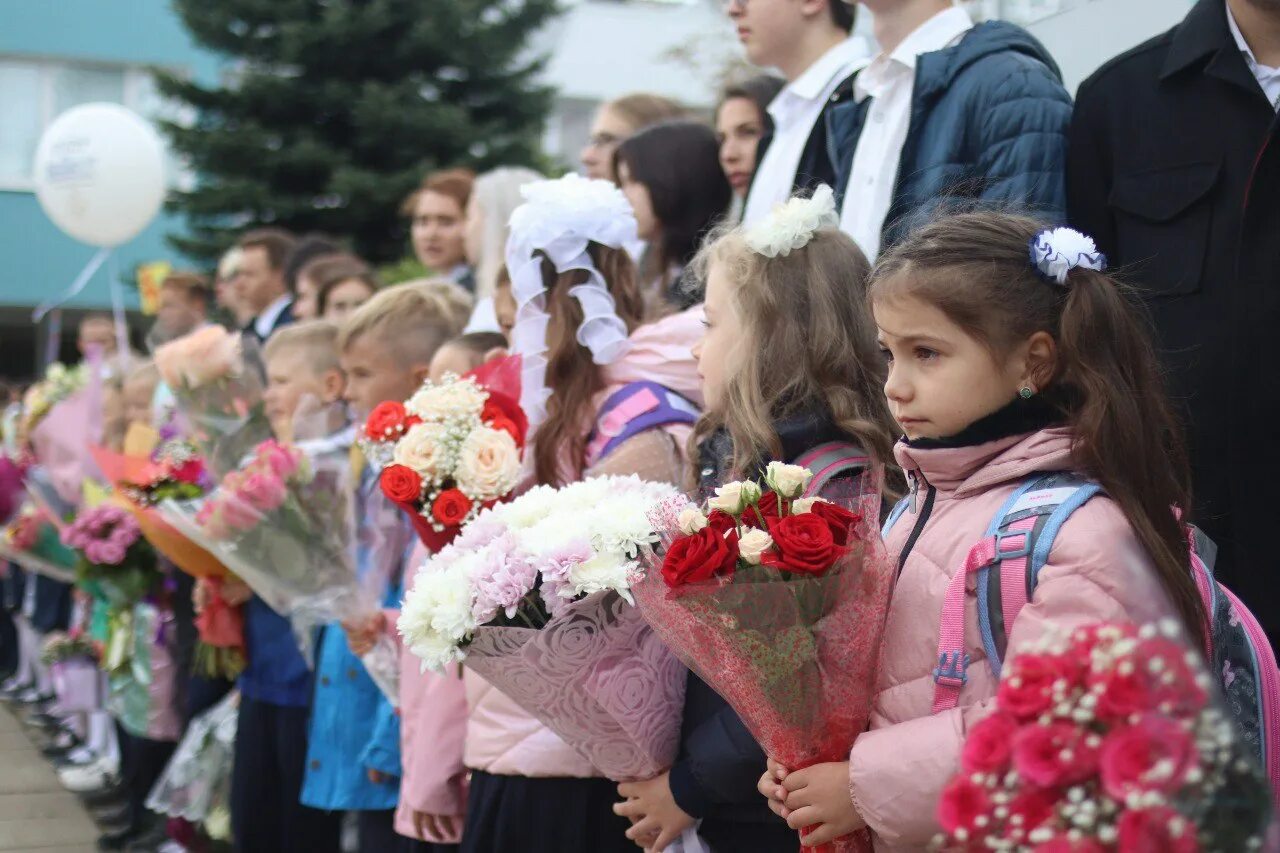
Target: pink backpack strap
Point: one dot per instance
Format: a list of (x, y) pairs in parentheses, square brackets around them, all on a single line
[(950, 677), (827, 461)]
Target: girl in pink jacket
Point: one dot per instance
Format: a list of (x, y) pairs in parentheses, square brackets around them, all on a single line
[(1003, 362)]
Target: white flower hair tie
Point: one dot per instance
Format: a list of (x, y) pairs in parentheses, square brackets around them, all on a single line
[(792, 225), (1057, 251)]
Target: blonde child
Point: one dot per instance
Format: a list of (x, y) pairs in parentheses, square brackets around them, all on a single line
[(387, 348), (276, 686), (1000, 368), (789, 369)]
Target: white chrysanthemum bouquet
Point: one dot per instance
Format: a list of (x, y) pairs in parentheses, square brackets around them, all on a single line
[(535, 596)]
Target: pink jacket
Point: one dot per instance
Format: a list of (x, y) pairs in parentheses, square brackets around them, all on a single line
[(1096, 571), (433, 721), (447, 725)]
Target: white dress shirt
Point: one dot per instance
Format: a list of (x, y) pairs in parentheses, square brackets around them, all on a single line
[(795, 111), (889, 80), (1268, 78), (266, 321)]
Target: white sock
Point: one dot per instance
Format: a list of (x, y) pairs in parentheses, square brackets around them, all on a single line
[(44, 678), (28, 650)]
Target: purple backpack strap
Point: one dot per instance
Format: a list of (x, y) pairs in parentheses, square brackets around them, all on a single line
[(632, 409), (828, 461)]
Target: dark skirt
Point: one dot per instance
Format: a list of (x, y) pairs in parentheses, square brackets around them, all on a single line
[(506, 814)]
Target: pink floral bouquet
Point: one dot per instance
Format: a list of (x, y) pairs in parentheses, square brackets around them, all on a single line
[(114, 556), (1109, 740), (32, 540), (284, 524), (535, 596), (217, 377), (452, 449)]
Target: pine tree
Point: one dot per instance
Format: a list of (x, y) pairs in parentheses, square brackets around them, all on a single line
[(331, 111)]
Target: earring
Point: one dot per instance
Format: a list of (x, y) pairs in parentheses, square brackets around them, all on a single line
[(1026, 392)]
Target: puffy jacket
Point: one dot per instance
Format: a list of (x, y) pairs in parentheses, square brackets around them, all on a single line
[(1097, 571), (989, 119)]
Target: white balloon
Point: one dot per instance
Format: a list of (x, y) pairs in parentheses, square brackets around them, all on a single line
[(99, 173)]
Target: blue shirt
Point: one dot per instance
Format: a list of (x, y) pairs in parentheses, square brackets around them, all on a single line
[(276, 672)]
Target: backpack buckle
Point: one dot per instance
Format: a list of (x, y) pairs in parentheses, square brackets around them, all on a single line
[(1024, 550), (950, 671)]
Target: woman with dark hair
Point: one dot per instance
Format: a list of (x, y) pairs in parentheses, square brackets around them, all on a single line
[(742, 120), (671, 175)]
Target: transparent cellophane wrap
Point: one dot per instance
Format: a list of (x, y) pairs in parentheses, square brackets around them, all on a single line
[(197, 779), (795, 655), (300, 556)]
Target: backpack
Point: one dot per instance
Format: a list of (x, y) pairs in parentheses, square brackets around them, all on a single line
[(632, 409), (1007, 563), (828, 461)]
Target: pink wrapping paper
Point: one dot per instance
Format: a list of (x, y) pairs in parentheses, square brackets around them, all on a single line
[(598, 677)]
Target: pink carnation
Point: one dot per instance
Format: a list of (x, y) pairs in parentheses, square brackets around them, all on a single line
[(503, 580)]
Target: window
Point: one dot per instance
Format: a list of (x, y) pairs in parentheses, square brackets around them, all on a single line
[(33, 93)]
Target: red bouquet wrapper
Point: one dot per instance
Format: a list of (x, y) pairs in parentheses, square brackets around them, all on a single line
[(220, 625), (794, 654)]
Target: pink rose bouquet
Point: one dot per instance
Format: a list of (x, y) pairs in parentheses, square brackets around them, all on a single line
[(1106, 741)]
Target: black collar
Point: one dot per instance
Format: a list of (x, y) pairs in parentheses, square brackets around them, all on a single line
[(1021, 417), (1204, 39)]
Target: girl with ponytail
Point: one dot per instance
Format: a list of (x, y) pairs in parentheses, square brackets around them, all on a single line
[(1010, 352)]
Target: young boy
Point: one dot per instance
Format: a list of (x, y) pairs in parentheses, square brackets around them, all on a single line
[(276, 686), (354, 755)]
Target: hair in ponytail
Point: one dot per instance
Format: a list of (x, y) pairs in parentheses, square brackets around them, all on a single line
[(976, 269), (572, 376)]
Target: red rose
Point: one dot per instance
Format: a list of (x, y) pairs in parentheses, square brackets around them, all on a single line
[(1066, 844), (1174, 690), (700, 557), (989, 746), (1156, 830), (1126, 690), (1153, 755), (451, 507), (1035, 807), (1052, 755), (188, 472), (401, 484), (721, 522), (963, 801), (758, 516), (804, 544), (501, 412), (1027, 691), (387, 421), (843, 523)]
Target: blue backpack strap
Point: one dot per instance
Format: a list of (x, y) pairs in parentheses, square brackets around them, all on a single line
[(634, 408), (1029, 520), (828, 461), (898, 510)]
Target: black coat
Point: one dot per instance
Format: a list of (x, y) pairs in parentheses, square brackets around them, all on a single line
[(1174, 168), (821, 158)]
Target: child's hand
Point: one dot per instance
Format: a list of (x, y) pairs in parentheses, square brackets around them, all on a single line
[(363, 633), (656, 820), (818, 797), (770, 786), (441, 826), (235, 591)]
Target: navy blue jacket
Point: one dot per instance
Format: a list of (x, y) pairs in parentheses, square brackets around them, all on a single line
[(989, 121), (276, 672)]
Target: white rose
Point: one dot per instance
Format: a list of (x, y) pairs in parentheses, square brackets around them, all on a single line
[(691, 520), (488, 464), (804, 505), (752, 544), (729, 498), (459, 399), (750, 494), (789, 481), (423, 449)]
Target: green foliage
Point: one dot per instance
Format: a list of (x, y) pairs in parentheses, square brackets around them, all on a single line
[(331, 111)]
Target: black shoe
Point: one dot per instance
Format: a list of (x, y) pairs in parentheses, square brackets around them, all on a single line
[(150, 839), (46, 721), (111, 813), (12, 691), (112, 795), (120, 839), (58, 749)]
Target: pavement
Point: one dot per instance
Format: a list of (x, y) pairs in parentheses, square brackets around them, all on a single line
[(37, 815)]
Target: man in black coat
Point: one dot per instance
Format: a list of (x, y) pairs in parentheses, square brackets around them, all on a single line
[(1174, 168)]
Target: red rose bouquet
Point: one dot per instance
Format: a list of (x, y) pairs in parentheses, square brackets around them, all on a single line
[(1107, 741), (778, 602), (452, 449)]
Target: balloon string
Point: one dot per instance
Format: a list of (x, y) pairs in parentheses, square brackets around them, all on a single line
[(82, 280), (117, 314)]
